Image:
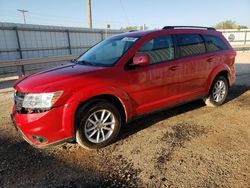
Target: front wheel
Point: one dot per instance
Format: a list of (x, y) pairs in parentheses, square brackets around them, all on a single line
[(99, 125), (218, 92)]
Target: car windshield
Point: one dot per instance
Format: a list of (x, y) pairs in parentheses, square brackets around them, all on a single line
[(107, 52)]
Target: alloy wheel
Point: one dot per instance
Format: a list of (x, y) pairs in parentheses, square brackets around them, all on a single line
[(219, 91), (99, 126)]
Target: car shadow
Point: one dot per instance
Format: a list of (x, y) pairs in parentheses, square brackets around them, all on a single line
[(25, 166), (235, 91), (149, 120)]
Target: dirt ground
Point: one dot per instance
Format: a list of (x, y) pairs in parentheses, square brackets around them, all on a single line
[(188, 146)]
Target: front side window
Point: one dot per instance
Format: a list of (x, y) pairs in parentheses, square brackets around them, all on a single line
[(107, 52), (214, 43), (159, 49), (190, 44)]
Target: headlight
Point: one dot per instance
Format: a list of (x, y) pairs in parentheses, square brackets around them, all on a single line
[(40, 100)]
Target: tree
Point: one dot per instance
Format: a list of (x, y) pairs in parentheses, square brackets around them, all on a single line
[(131, 28), (229, 24)]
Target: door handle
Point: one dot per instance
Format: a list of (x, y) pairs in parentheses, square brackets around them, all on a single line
[(210, 59), (173, 68)]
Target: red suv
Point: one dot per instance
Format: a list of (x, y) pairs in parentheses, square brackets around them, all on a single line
[(121, 78)]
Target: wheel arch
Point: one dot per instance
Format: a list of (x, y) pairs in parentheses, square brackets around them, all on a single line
[(222, 70), (224, 73), (103, 97)]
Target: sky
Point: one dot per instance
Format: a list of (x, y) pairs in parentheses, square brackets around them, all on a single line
[(122, 13)]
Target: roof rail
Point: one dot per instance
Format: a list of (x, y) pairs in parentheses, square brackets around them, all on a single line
[(196, 27)]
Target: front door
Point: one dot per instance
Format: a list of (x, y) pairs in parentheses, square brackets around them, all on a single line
[(152, 86)]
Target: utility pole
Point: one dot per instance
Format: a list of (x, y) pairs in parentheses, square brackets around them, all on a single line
[(23, 13), (89, 14)]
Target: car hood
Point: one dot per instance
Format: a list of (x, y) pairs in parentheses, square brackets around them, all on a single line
[(53, 78)]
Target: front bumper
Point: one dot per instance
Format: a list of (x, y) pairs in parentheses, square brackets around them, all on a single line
[(42, 129)]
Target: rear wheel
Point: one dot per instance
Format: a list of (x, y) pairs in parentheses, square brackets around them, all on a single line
[(99, 125), (218, 92)]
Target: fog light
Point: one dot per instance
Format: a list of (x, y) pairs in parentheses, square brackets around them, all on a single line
[(39, 139)]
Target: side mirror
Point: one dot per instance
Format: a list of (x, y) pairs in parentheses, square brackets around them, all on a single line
[(141, 59)]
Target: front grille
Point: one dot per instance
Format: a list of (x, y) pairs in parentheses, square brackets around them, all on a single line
[(18, 99), (19, 94)]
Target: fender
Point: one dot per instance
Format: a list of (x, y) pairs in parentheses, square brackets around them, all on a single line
[(214, 73), (92, 91)]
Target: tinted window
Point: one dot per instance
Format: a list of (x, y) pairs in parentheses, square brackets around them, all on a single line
[(159, 49), (190, 44), (214, 43)]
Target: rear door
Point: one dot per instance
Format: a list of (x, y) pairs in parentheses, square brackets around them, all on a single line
[(217, 51), (192, 53)]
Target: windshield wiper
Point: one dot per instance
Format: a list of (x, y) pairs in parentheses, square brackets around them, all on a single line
[(90, 63), (84, 63)]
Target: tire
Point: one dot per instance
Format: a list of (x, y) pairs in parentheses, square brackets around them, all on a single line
[(218, 92), (97, 125)]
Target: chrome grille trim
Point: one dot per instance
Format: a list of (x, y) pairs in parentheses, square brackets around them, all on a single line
[(18, 100)]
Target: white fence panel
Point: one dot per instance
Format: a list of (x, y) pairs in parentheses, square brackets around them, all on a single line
[(237, 37), (23, 41)]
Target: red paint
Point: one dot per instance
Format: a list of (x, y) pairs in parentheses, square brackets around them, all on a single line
[(141, 60), (140, 90)]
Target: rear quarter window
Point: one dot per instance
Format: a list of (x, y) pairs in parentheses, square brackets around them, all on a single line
[(190, 44), (214, 43)]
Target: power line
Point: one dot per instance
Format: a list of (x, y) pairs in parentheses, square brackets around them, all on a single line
[(124, 11), (23, 13), (60, 20)]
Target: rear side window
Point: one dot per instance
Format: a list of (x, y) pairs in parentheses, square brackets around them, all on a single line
[(190, 44), (159, 49), (214, 43)]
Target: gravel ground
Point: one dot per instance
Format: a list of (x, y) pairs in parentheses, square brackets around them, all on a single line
[(188, 146)]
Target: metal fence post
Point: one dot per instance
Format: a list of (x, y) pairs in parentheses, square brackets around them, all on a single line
[(102, 35), (69, 43), (245, 39), (20, 68)]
